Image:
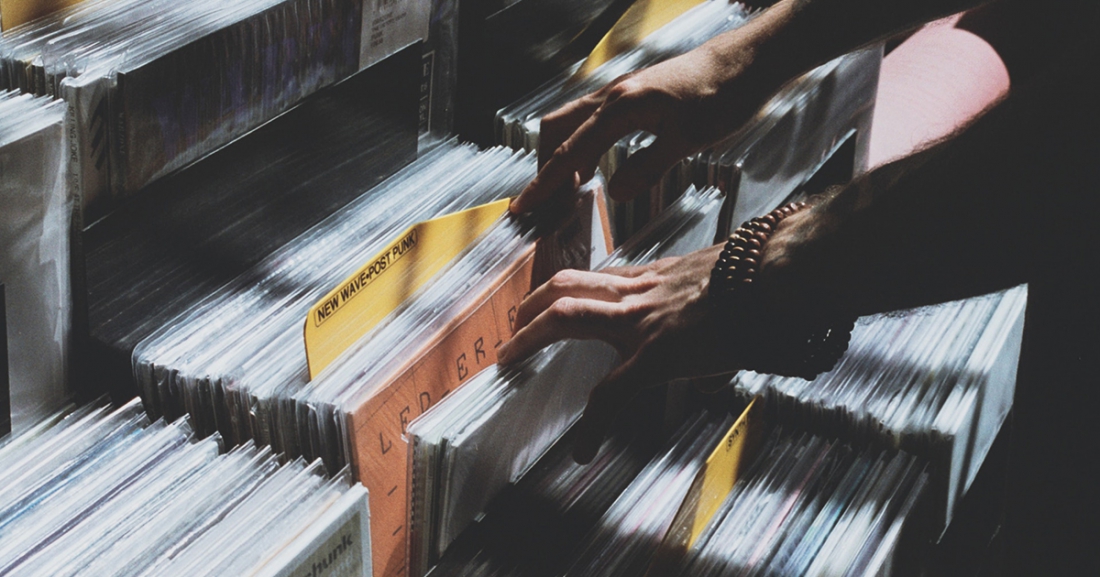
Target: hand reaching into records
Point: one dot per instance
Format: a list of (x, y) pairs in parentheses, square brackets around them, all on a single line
[(698, 98), (688, 102), (657, 316)]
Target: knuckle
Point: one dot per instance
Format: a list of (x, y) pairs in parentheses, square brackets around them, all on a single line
[(564, 280), (664, 263), (564, 309), (619, 92), (627, 88), (644, 282), (563, 151), (632, 313)]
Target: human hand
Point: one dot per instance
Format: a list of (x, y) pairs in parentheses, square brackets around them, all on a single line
[(688, 103), (657, 316)]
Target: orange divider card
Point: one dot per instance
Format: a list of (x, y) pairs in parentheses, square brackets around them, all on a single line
[(16, 12), (639, 21), (729, 460), (359, 303), (443, 362)]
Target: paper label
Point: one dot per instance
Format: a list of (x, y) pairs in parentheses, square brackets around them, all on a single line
[(359, 303), (87, 123), (725, 465), (5, 385), (427, 69), (16, 12), (341, 555), (639, 21), (390, 25)]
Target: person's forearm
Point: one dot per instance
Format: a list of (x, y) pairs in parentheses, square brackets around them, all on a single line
[(1008, 199), (793, 36)]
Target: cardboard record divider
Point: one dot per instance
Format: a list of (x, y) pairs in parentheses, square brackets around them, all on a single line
[(449, 358)]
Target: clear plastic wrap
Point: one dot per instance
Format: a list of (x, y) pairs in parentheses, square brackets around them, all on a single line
[(937, 382), (113, 494)]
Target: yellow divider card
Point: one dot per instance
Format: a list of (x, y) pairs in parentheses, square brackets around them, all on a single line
[(359, 303), (726, 463), (16, 12), (639, 21)]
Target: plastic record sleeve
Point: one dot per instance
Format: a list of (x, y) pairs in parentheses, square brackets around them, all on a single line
[(34, 260), (107, 492)]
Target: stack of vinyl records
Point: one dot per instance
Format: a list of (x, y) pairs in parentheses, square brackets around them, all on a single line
[(236, 363), (153, 86), (35, 303), (196, 230), (95, 491), (781, 148), (813, 507), (937, 382), (243, 342), (541, 524), (484, 436), (799, 505), (357, 409)]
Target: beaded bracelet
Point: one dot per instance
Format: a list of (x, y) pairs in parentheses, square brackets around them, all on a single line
[(769, 344)]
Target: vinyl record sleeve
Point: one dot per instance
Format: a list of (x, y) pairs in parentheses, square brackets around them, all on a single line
[(337, 544), (35, 212)]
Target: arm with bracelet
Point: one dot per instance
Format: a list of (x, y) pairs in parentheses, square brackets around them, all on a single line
[(960, 218)]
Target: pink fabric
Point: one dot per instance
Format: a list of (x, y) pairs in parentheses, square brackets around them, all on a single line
[(933, 83)]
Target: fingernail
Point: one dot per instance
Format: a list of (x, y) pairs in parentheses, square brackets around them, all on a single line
[(504, 355)]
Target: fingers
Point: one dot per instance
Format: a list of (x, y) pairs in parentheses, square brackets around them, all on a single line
[(570, 283), (559, 125), (566, 318), (626, 271), (605, 402), (643, 169), (554, 129), (581, 152)]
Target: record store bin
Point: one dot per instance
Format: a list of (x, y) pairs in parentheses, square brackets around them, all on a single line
[(195, 196)]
